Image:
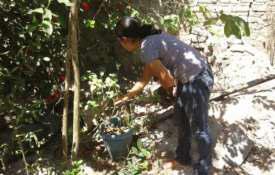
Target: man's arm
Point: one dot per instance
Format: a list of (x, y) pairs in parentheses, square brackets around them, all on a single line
[(138, 87), (166, 80), (155, 68)]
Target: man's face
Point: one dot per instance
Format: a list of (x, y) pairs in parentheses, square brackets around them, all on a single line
[(127, 44)]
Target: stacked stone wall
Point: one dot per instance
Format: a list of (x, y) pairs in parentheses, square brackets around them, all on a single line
[(259, 13)]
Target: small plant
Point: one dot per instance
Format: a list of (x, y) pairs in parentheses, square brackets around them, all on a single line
[(171, 23), (120, 122), (188, 17), (103, 89), (75, 169), (138, 160), (233, 25)]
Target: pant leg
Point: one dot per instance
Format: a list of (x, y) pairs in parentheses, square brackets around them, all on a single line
[(200, 126), (184, 124), (184, 134), (193, 99)]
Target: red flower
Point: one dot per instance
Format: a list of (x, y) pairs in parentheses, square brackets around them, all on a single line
[(53, 97), (61, 78), (50, 99), (56, 94), (85, 6)]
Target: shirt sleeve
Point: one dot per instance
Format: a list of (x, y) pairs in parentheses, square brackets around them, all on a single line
[(149, 51)]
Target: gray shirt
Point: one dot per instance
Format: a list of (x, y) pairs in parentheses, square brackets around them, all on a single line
[(183, 61)]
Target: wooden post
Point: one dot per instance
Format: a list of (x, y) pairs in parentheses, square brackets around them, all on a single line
[(66, 105), (73, 43)]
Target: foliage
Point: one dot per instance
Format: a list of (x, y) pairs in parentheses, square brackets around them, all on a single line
[(233, 25), (188, 17), (30, 66), (29, 54), (102, 90), (171, 23), (138, 160), (75, 169)]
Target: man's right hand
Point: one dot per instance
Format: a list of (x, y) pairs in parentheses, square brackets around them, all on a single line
[(121, 100)]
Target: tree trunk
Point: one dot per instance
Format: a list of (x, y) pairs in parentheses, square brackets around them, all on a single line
[(73, 35), (66, 105)]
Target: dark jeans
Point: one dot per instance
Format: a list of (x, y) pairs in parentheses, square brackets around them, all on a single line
[(192, 112)]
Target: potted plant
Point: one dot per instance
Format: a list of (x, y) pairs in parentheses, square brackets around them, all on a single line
[(115, 130), (117, 134)]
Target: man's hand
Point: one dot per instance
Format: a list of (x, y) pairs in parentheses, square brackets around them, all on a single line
[(174, 92), (121, 100)]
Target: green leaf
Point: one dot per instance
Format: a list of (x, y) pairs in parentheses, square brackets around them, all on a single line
[(38, 10), (90, 23), (93, 103), (62, 20), (243, 25), (135, 150), (205, 12), (48, 15), (144, 165), (227, 29), (145, 153), (65, 2), (47, 27), (139, 144), (223, 17), (236, 30), (247, 29), (171, 23), (32, 28), (235, 25)]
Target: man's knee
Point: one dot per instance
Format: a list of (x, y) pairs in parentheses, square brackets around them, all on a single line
[(203, 138)]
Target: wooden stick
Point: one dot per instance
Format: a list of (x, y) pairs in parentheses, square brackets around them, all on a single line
[(246, 86)]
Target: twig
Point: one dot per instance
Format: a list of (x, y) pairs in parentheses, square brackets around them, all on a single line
[(99, 9), (246, 157), (24, 159), (3, 164)]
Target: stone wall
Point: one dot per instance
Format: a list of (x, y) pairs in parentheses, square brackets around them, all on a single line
[(259, 13)]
